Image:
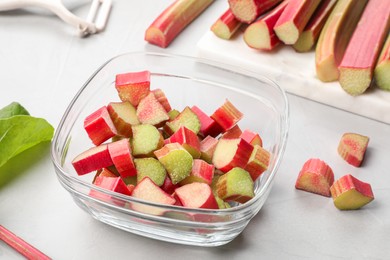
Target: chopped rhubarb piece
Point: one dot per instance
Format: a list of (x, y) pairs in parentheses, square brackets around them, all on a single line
[(173, 20), (99, 126), (188, 139), (186, 118), (358, 63), (160, 96), (121, 156), (381, 73), (208, 126), (258, 162), (92, 159), (123, 115), (227, 115), (294, 18), (349, 193), (146, 139), (335, 36), (231, 153), (152, 168), (150, 111), (201, 172), (110, 183), (251, 137), (235, 185), (133, 86), (260, 34), (204, 196), (310, 34), (168, 186), (226, 25), (248, 10), (315, 176), (207, 148), (352, 148), (233, 133)]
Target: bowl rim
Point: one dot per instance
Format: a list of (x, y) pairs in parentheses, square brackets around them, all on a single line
[(284, 118)]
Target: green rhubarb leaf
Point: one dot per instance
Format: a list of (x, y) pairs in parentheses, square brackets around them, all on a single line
[(13, 109), (21, 132)]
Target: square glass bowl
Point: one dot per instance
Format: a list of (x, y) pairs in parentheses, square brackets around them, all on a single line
[(186, 82)]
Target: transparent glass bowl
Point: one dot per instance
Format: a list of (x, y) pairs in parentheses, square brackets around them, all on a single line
[(185, 81)]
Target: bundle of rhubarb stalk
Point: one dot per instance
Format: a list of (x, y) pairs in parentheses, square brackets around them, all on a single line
[(350, 37)]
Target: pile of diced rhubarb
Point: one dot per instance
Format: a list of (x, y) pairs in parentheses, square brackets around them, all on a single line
[(350, 37), (144, 148)]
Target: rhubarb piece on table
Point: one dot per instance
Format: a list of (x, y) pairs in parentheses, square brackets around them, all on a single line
[(176, 160), (382, 69), (235, 185), (92, 159), (152, 168), (188, 139), (352, 148), (162, 98), (251, 137), (99, 126), (121, 156), (133, 86), (123, 115), (227, 115), (358, 63), (315, 176), (294, 18), (248, 10), (208, 126), (207, 148), (349, 193), (204, 197), (231, 153), (260, 34), (146, 139), (335, 36), (173, 20), (186, 118), (150, 111), (310, 34), (226, 25), (258, 162), (232, 133), (201, 172)]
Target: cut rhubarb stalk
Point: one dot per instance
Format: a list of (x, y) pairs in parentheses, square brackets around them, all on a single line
[(168, 186), (227, 115), (152, 168), (207, 148), (188, 139), (315, 176), (381, 73), (349, 193), (382, 69), (151, 111), (123, 115), (160, 96), (201, 172), (204, 196), (260, 34), (294, 18), (146, 139), (258, 162), (335, 36), (233, 133), (248, 10), (111, 183), (173, 20), (208, 126), (99, 126), (121, 156), (92, 159), (251, 137), (352, 148), (226, 25), (25, 249), (312, 31), (133, 86), (358, 63), (186, 118)]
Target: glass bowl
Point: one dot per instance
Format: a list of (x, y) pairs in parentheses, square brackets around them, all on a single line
[(185, 81)]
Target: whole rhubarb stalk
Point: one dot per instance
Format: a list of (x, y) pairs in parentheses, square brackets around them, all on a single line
[(358, 63), (294, 18), (247, 11), (173, 20), (382, 69), (260, 35), (335, 36), (226, 25), (312, 31)]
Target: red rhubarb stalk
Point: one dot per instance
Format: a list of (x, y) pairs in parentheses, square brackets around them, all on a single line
[(173, 20), (358, 63), (382, 69), (20, 245), (294, 18), (260, 35), (247, 11), (226, 25), (312, 31)]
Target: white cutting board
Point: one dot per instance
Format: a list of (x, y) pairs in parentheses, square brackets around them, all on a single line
[(295, 73)]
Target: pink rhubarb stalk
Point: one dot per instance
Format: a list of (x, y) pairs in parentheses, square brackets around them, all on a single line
[(382, 69), (247, 11), (226, 25)]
